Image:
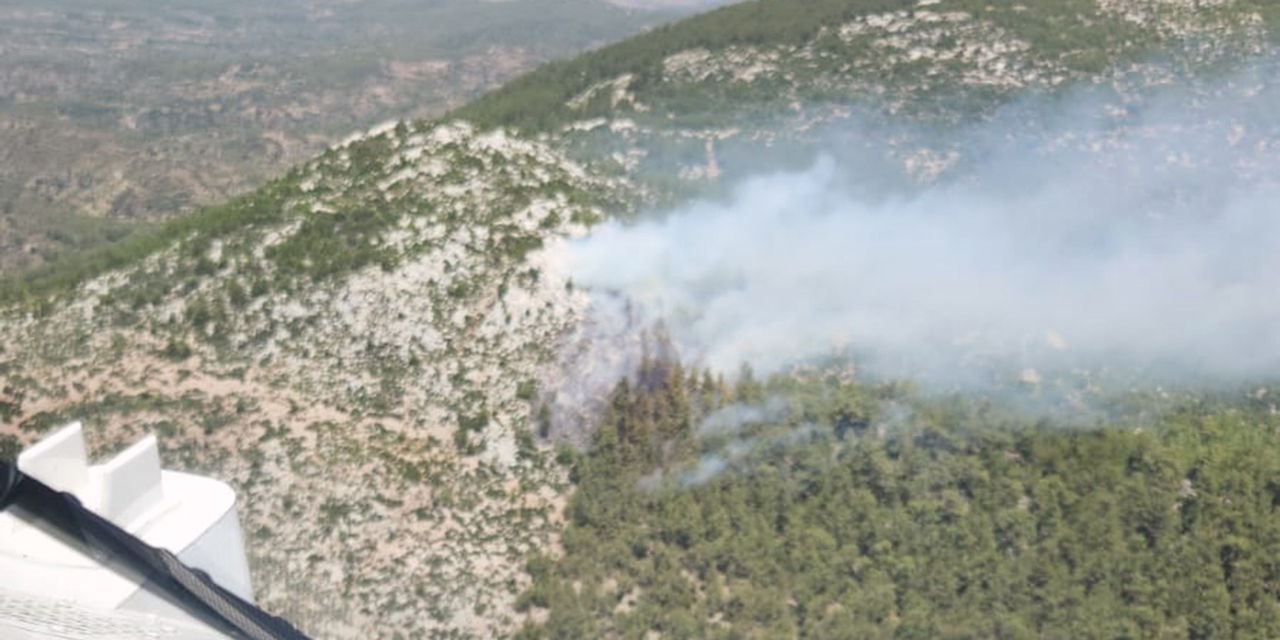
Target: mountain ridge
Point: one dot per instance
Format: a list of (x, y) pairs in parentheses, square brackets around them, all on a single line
[(114, 116), (366, 347)]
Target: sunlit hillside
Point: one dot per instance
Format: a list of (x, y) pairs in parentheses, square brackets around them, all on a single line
[(439, 428)]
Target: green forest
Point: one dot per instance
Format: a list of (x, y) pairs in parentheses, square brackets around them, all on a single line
[(820, 507)]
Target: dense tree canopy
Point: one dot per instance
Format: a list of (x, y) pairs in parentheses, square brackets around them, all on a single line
[(827, 509)]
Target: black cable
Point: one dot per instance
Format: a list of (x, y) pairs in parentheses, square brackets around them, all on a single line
[(8, 481), (61, 515)]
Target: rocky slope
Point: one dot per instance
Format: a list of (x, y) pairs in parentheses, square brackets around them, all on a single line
[(385, 411)]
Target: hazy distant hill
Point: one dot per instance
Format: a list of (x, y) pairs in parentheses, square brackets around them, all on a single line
[(366, 346), (123, 112)]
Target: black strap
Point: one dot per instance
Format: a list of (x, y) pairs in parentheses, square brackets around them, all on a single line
[(61, 515), (8, 483)]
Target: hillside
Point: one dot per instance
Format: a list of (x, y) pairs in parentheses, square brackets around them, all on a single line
[(117, 114), (866, 511), (370, 347)]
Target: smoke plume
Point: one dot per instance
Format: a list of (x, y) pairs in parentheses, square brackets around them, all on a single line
[(1070, 234)]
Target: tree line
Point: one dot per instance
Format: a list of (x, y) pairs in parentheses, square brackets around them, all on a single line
[(871, 511)]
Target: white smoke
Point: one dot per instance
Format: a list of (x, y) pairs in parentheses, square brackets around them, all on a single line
[(728, 420), (727, 457), (1145, 236)]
